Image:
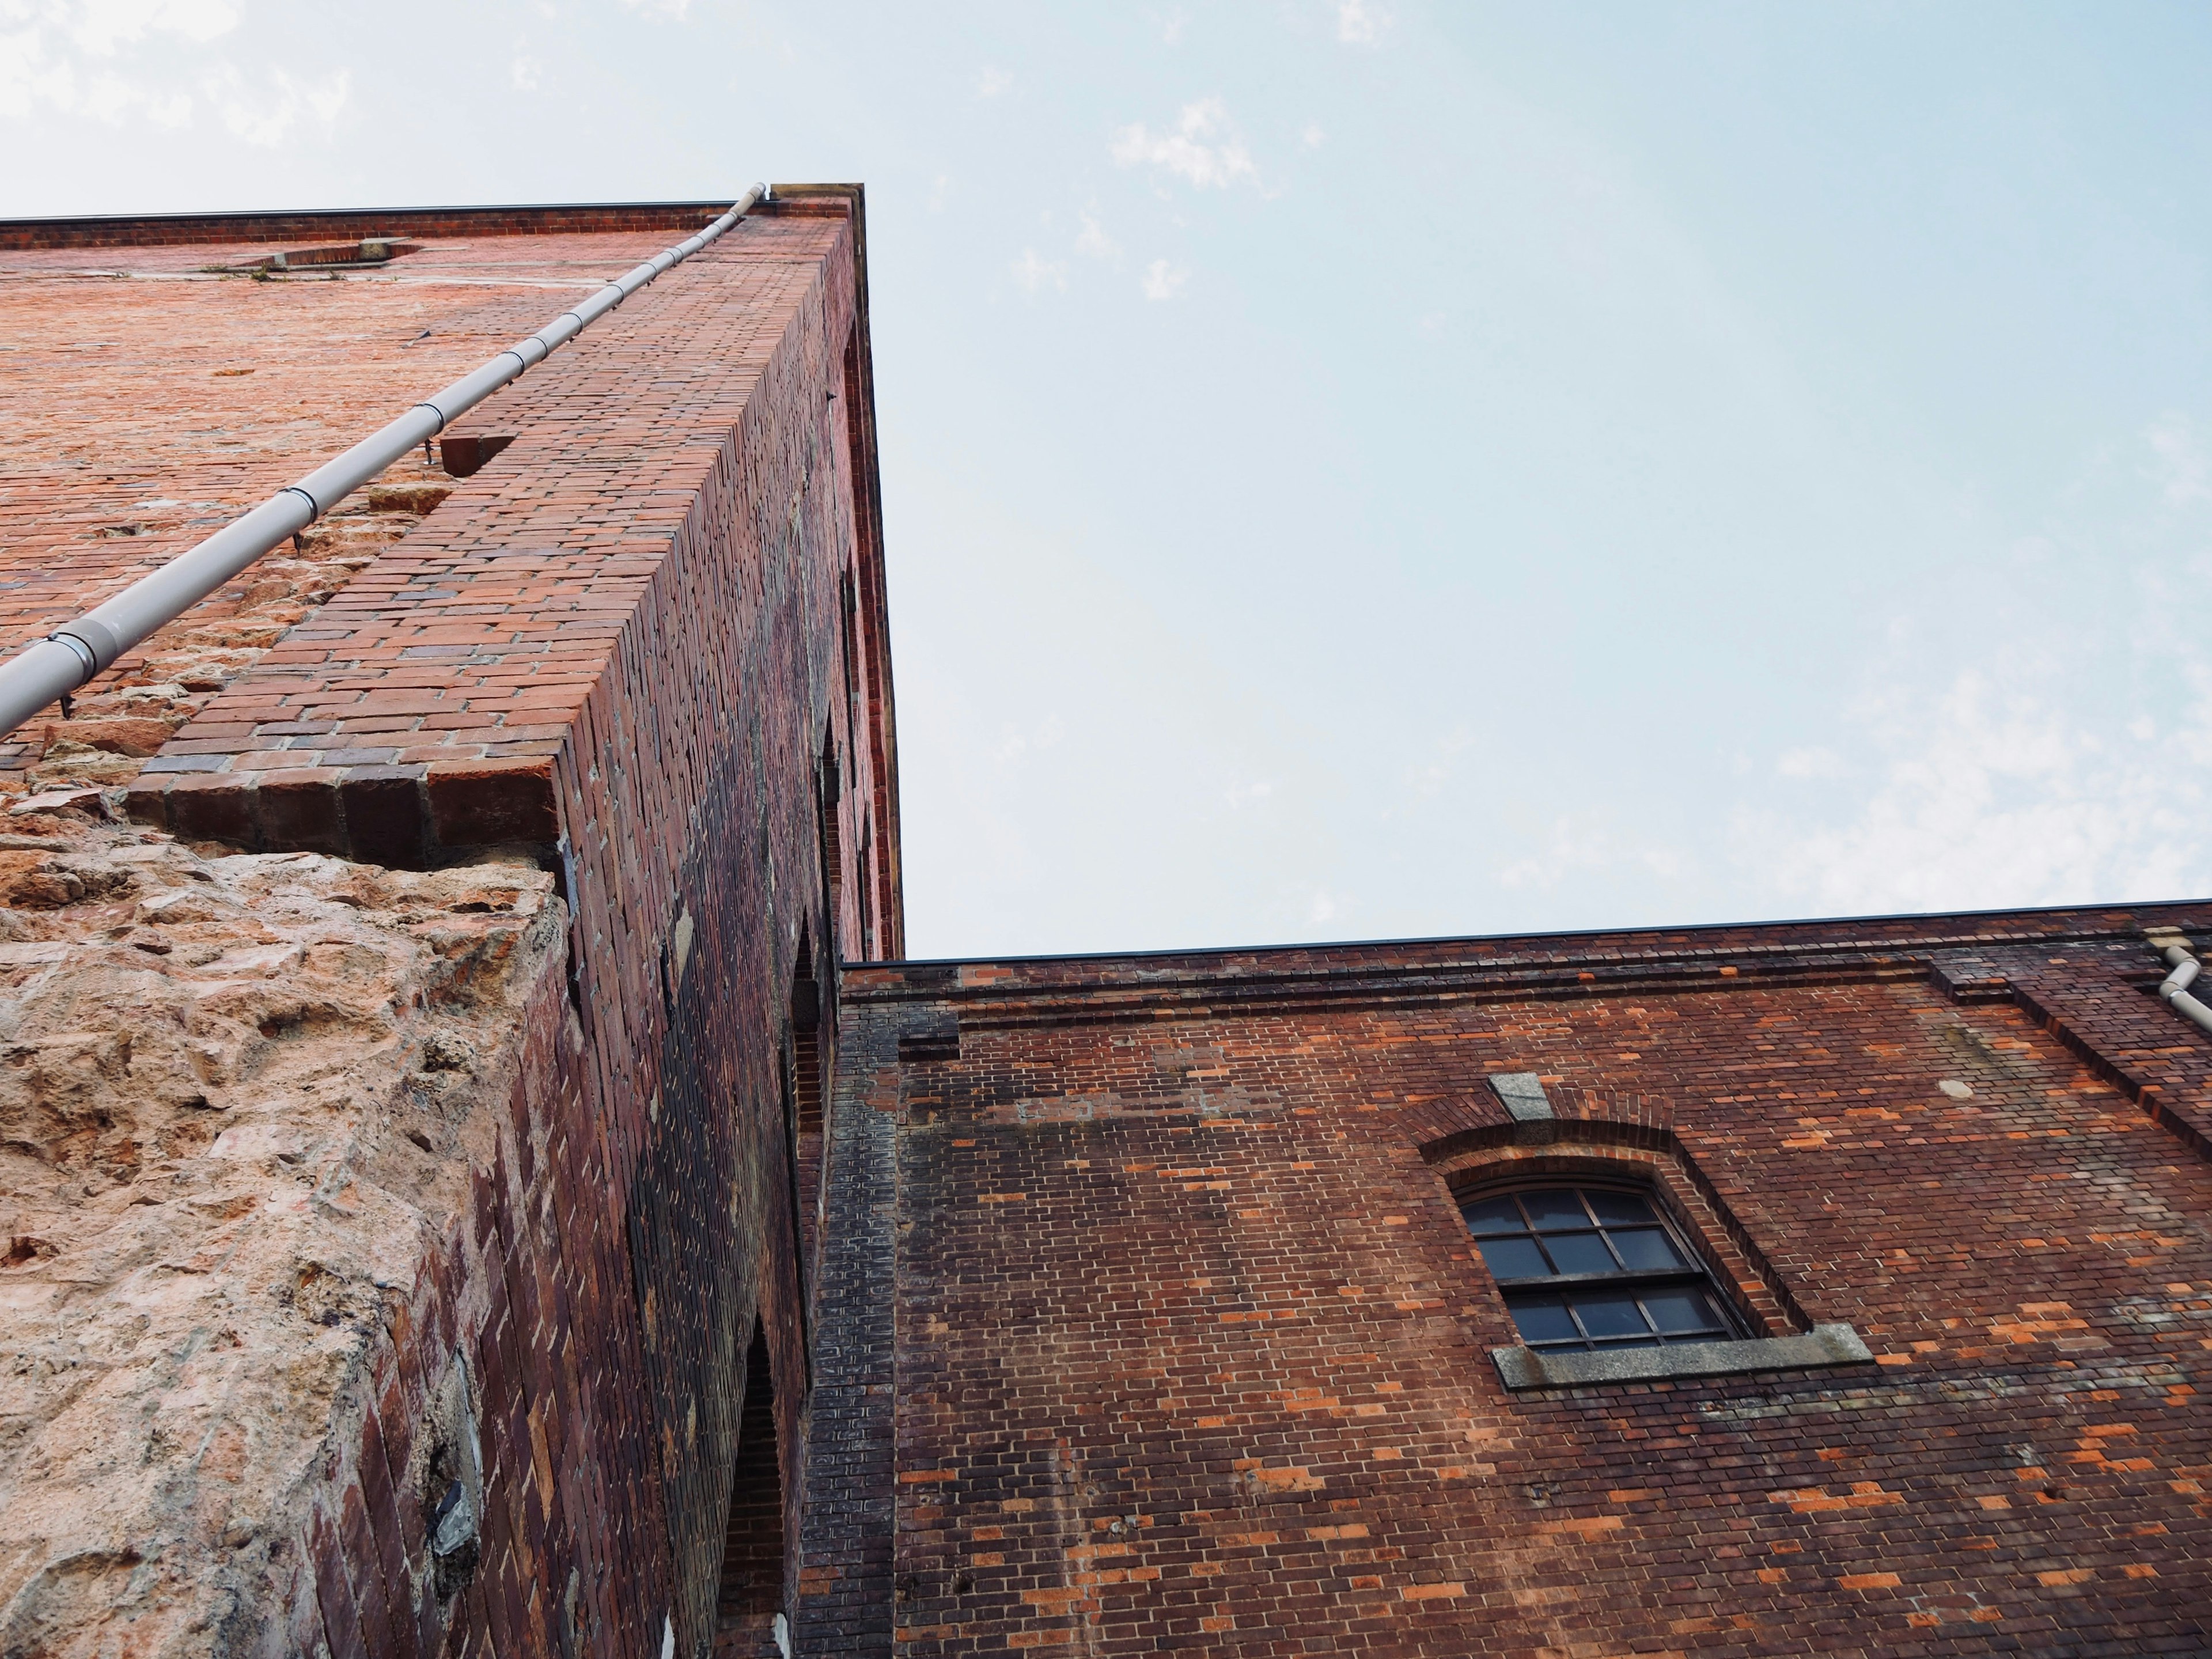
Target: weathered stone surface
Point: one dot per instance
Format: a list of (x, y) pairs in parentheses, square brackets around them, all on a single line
[(238, 1095)]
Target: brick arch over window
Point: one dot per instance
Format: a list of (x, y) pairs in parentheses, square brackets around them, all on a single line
[(1643, 1154)]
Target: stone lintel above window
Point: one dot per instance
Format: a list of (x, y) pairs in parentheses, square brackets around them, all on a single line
[(1820, 1348)]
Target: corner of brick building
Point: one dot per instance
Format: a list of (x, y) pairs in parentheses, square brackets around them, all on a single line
[(641, 656), (511, 880)]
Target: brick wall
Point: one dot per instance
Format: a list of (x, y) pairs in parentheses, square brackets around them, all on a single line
[(687, 488), (622, 647), (1192, 1348)]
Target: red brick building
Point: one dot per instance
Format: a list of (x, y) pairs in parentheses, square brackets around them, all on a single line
[(1834, 1287), (624, 1275)]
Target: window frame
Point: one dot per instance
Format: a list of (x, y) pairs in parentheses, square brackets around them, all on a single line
[(1636, 1148), (1695, 1273)]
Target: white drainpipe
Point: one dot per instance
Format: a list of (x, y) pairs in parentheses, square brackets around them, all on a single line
[(56, 664), (2169, 943)]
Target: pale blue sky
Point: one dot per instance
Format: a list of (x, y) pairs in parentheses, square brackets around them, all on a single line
[(1375, 469)]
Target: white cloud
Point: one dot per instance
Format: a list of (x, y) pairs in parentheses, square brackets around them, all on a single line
[(1163, 281), (2179, 464), (1313, 137), (1582, 841), (101, 25), (527, 73), (1204, 148), (78, 57), (1360, 22), (1326, 907), (1034, 273), (1093, 239), (1014, 744), (1426, 780), (991, 81), (1992, 794), (261, 119), (1814, 763), (675, 9)]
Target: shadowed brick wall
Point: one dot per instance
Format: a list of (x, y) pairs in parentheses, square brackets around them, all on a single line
[(1192, 1349), (646, 584)]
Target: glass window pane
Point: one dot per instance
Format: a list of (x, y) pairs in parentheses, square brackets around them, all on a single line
[(1580, 1252), (1647, 1246), (1544, 1321), (1623, 1209), (1514, 1258), (1681, 1313), (1494, 1215), (1628, 1342), (1561, 1208), (1611, 1314)]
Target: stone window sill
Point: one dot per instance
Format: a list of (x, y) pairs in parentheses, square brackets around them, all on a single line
[(1822, 1346)]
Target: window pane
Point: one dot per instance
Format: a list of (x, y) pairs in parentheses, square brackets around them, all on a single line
[(1647, 1246), (1514, 1258), (1544, 1321), (1622, 1209), (1494, 1215), (1614, 1314), (1580, 1252), (1681, 1313), (1555, 1209)]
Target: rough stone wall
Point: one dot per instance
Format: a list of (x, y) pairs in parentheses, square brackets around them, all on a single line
[(1192, 1349), (240, 1097), (648, 581)]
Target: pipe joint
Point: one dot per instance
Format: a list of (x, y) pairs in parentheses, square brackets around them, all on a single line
[(83, 652), (314, 506), (97, 637), (2173, 948)]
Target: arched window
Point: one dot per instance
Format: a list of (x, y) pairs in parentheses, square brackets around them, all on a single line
[(1586, 1266)]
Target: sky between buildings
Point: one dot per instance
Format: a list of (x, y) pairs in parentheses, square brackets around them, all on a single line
[(1358, 468)]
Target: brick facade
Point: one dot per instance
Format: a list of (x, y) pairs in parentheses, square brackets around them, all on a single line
[(1192, 1351)]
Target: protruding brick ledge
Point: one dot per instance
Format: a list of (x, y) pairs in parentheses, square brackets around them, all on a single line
[(404, 817), (167, 229)]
